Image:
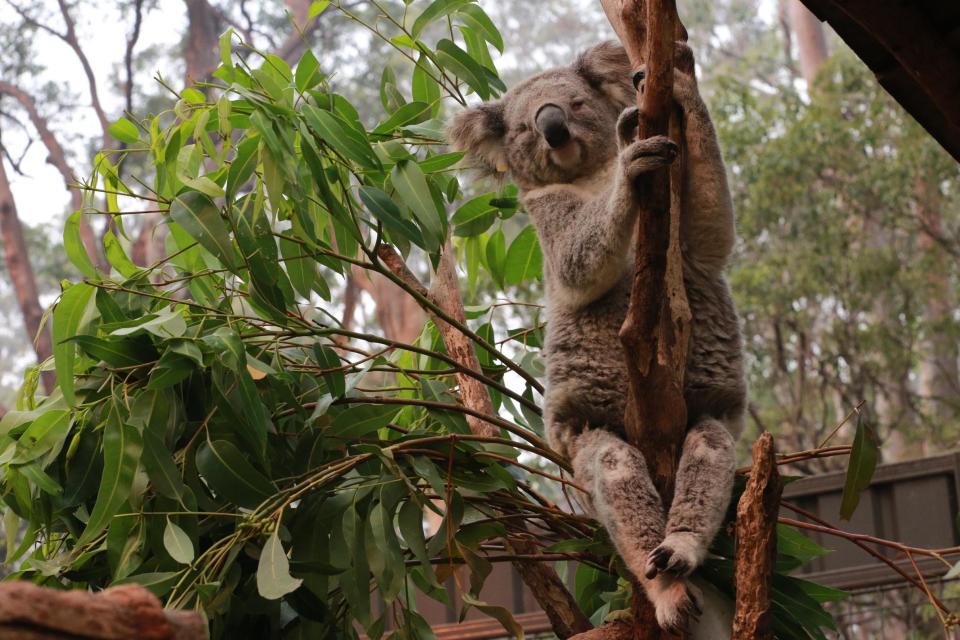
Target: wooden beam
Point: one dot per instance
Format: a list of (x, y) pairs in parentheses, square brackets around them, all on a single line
[(904, 31)]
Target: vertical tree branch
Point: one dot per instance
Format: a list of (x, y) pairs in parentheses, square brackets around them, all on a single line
[(21, 275), (657, 325), (656, 330), (200, 48), (128, 54), (757, 544), (811, 40), (58, 158), (70, 37)]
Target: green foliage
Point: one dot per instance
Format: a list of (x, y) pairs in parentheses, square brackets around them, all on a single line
[(210, 437), (838, 273), (863, 462)]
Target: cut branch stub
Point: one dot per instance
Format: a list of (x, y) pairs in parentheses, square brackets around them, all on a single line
[(757, 544)]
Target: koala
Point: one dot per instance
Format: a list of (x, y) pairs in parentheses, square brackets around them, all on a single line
[(567, 139)]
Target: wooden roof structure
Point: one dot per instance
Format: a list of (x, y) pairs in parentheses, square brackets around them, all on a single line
[(913, 47)]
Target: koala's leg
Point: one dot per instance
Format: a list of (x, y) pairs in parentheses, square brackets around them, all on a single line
[(700, 500), (627, 504)]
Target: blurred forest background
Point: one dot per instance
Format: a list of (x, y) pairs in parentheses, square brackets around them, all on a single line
[(848, 212)]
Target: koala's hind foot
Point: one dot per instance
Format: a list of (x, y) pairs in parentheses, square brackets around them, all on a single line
[(676, 601), (704, 483), (679, 554), (621, 493)]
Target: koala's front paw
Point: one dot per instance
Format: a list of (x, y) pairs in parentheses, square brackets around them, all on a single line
[(679, 554), (627, 125), (677, 603), (646, 155)]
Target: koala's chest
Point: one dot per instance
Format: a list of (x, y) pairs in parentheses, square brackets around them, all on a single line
[(590, 329)]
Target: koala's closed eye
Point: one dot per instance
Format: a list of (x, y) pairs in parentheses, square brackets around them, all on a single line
[(577, 104)]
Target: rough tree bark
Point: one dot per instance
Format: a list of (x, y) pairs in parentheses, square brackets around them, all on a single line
[(29, 612), (811, 40), (656, 331), (547, 588), (21, 275), (757, 544)]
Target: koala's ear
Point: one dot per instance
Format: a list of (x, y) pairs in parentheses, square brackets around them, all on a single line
[(606, 68), (479, 131)]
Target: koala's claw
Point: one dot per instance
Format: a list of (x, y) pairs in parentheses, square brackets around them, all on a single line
[(677, 606), (678, 555), (639, 76)]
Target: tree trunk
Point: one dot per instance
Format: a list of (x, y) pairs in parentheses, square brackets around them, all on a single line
[(21, 275), (811, 40), (938, 385), (58, 158), (200, 47), (657, 327)]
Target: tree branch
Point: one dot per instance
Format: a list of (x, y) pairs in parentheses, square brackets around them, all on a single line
[(657, 326), (128, 54), (58, 158), (22, 277), (126, 611)]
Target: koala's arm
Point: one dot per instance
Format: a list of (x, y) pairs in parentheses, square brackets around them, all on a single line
[(707, 228), (585, 240)]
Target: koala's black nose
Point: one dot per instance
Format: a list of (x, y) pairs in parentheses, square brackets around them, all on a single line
[(552, 123)]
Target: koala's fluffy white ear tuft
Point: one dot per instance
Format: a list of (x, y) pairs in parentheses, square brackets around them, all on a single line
[(479, 131), (606, 68)]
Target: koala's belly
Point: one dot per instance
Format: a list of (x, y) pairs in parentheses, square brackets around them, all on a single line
[(715, 384), (586, 376)]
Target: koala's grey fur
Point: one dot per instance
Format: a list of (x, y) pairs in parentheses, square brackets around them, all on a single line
[(582, 199)]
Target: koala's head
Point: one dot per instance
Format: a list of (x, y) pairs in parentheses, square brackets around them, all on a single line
[(554, 127)]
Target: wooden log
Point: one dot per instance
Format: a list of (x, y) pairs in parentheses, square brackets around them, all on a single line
[(757, 544), (28, 611)]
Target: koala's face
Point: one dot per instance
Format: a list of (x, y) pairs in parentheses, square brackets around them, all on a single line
[(554, 127)]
